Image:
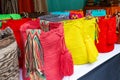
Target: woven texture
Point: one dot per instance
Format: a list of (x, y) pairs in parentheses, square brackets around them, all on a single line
[(79, 38), (9, 69), (107, 35), (16, 29), (57, 59)]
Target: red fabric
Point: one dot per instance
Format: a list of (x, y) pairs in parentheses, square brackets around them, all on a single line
[(57, 60), (15, 26), (107, 35), (26, 6), (112, 37)]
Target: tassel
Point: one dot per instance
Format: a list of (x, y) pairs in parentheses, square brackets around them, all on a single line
[(66, 64), (91, 49)]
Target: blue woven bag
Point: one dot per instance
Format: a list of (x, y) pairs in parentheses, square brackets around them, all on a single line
[(65, 13), (99, 12)]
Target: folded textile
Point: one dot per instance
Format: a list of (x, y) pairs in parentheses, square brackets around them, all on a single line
[(64, 13), (54, 18), (96, 13)]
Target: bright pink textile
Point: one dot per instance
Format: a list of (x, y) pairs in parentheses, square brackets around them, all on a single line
[(56, 54), (57, 59)]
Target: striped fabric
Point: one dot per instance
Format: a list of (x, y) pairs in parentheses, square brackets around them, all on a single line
[(9, 69), (34, 56)]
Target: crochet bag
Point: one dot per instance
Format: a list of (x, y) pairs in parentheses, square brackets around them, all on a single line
[(77, 42), (75, 14), (9, 69), (107, 34), (54, 18), (57, 61)]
